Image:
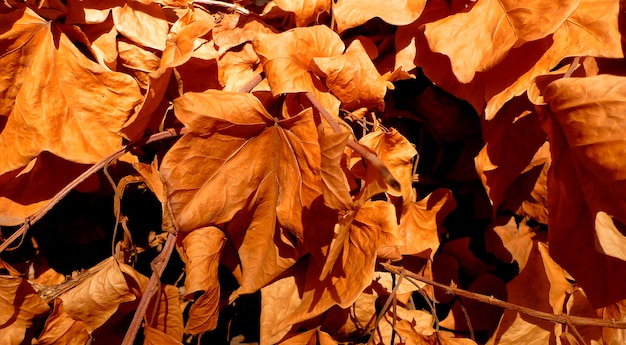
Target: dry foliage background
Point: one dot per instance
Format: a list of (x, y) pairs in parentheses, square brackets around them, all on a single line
[(290, 150)]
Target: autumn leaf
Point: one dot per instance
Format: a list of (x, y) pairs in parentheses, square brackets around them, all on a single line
[(64, 71), (144, 24), (99, 296), (201, 252), (511, 141), (353, 78), (477, 40), (182, 40), (352, 13), (421, 223), (287, 57), (237, 67), (373, 226), (264, 196), (305, 11), (60, 328), (19, 305), (584, 124)]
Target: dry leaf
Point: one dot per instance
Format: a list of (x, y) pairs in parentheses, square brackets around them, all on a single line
[(585, 127), (19, 305), (144, 24), (60, 328), (305, 11), (353, 78), (352, 13)]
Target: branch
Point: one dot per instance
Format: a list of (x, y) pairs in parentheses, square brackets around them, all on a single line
[(158, 266), (562, 319), (92, 170)]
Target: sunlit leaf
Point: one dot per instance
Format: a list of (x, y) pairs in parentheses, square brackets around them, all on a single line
[(19, 304), (305, 11), (144, 24), (60, 328), (352, 13)]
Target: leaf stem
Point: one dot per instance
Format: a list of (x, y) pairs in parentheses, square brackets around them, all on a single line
[(32, 219), (562, 318)]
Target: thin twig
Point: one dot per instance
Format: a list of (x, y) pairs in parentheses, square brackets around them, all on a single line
[(467, 319), (429, 302), (386, 306), (562, 318), (228, 5), (92, 170), (159, 263)]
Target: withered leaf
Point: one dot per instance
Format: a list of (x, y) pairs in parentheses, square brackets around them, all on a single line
[(19, 304), (373, 226), (479, 39), (60, 328), (215, 173), (201, 250), (311, 337), (99, 296), (305, 11), (353, 78), (142, 23), (88, 100), (352, 13), (287, 56), (421, 223), (585, 125)]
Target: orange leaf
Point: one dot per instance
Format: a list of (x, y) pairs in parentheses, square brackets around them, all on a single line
[(234, 30), (374, 226), (144, 24), (353, 78), (421, 223), (60, 328), (306, 11), (201, 251), (397, 153), (511, 141), (477, 40), (103, 292), (89, 102), (183, 40), (19, 304), (586, 126), (311, 337), (287, 58), (267, 196), (237, 67), (352, 13)]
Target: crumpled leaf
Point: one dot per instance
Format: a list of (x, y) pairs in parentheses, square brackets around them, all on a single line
[(201, 251), (352, 13), (142, 23), (235, 29), (99, 296), (60, 328), (353, 78), (421, 223), (585, 125), (511, 141), (80, 88), (182, 40), (409, 324), (19, 304), (237, 67), (373, 226), (541, 286), (305, 11), (335, 188), (483, 36), (267, 197), (287, 56), (397, 153)]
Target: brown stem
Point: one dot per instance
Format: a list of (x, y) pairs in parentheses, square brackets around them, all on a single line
[(92, 170), (562, 319), (158, 265)]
